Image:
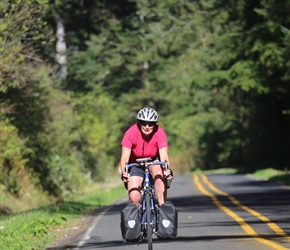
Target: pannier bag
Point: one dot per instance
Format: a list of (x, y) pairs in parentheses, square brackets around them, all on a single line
[(167, 221), (131, 222)]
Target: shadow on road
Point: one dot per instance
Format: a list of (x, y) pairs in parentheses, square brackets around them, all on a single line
[(118, 243)]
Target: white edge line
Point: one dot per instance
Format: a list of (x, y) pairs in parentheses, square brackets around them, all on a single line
[(95, 222)]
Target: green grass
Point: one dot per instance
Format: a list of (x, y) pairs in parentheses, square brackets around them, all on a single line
[(282, 177), (217, 171), (269, 174), (39, 228)]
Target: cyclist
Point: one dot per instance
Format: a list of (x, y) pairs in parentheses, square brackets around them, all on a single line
[(141, 140)]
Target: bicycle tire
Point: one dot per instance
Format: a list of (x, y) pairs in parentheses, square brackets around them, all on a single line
[(149, 221)]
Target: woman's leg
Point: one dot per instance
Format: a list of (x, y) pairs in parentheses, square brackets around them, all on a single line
[(134, 188), (159, 183)]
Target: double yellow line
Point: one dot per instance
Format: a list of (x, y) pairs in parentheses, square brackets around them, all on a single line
[(249, 230)]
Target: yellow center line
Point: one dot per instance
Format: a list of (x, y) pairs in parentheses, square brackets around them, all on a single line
[(250, 231), (263, 218)]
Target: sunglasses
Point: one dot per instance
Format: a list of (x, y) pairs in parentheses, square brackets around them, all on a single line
[(144, 123)]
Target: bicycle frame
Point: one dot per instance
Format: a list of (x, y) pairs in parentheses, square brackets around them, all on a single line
[(148, 203)]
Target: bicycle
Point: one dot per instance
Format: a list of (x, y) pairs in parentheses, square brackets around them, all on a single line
[(149, 207)]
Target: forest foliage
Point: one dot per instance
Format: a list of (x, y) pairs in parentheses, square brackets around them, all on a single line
[(217, 71)]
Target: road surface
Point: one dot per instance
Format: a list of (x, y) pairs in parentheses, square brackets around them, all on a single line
[(215, 212)]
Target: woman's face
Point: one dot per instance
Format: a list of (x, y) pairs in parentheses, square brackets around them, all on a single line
[(147, 127)]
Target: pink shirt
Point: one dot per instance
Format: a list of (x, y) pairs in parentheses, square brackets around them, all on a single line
[(140, 147)]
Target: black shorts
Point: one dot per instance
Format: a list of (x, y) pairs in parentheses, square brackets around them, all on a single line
[(135, 171)]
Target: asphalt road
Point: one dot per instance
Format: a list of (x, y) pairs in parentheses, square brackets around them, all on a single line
[(218, 212)]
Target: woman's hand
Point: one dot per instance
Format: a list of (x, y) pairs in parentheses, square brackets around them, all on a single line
[(168, 174), (125, 177)]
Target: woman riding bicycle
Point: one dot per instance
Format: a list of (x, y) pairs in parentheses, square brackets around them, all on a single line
[(145, 139)]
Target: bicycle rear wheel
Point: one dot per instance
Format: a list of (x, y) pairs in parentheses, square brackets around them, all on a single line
[(149, 221)]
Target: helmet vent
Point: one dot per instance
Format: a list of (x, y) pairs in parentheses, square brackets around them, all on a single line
[(147, 114)]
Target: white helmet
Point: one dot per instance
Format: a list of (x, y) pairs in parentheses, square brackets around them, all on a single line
[(147, 114)]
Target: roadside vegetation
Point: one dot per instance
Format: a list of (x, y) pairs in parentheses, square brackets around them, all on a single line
[(39, 228), (279, 176)]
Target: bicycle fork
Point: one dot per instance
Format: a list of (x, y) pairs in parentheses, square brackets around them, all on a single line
[(152, 211)]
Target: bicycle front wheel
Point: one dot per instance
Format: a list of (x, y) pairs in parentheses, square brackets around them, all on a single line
[(149, 221)]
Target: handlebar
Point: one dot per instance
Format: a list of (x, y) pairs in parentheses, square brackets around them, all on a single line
[(145, 162)]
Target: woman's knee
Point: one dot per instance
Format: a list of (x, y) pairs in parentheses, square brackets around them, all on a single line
[(158, 175), (159, 182), (135, 196)]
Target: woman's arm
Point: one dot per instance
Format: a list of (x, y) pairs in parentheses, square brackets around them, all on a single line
[(163, 154), (126, 152)]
